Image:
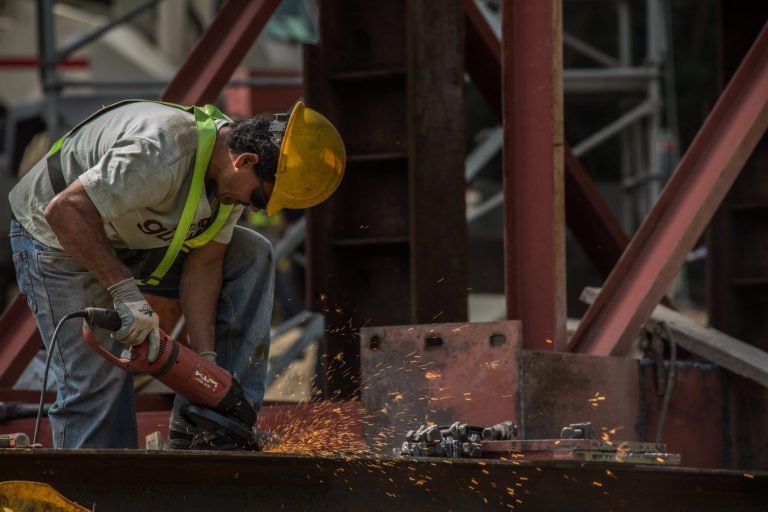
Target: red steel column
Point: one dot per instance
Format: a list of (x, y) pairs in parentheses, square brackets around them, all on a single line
[(533, 170), (219, 51), (683, 210)]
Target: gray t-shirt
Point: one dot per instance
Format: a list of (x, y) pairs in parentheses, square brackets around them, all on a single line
[(136, 163)]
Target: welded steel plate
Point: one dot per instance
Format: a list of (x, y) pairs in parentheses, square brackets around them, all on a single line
[(439, 373)]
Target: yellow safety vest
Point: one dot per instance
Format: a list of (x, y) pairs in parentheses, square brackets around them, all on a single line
[(205, 118)]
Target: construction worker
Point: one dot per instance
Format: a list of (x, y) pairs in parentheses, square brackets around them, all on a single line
[(143, 197)]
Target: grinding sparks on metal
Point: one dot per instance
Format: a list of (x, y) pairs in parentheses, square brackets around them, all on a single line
[(334, 430), (595, 400)]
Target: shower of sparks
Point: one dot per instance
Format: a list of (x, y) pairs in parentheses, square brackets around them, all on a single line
[(333, 429)]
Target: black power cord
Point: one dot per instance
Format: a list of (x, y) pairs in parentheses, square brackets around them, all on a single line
[(106, 318)]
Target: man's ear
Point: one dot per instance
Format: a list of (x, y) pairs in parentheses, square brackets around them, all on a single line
[(246, 159)]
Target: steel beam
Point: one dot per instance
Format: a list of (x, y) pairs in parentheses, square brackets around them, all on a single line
[(129, 480), (434, 32), (695, 190), (21, 341), (588, 216), (603, 241), (533, 170), (219, 51), (483, 56)]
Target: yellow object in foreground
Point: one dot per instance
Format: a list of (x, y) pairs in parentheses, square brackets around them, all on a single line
[(21, 496)]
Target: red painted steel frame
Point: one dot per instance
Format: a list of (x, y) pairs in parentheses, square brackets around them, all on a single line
[(21, 341), (533, 171), (587, 214), (220, 50), (683, 210)]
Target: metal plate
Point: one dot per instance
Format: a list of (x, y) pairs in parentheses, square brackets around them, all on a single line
[(441, 373)]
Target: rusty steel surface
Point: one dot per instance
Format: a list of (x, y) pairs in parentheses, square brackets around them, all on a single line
[(534, 210), (441, 373), (19, 341), (437, 188), (622, 400), (388, 74), (219, 51), (687, 203), (130, 480)]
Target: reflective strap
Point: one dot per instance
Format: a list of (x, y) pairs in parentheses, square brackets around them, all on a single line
[(206, 139), (224, 209), (212, 230), (56, 146)]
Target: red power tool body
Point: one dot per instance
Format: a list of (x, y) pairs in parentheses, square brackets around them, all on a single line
[(186, 372)]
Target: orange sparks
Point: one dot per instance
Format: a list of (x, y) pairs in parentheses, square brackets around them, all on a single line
[(594, 401), (329, 430), (432, 374)]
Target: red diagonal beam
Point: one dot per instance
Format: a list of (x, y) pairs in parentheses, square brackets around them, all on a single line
[(588, 216), (483, 56), (19, 343), (683, 210), (219, 51)]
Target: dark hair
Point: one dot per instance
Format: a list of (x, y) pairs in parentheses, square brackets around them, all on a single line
[(252, 136)]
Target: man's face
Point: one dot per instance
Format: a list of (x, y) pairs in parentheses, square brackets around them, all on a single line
[(244, 185)]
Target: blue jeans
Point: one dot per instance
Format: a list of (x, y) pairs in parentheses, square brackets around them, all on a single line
[(94, 405)]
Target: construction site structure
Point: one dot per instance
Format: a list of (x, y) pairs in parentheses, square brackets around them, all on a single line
[(638, 408)]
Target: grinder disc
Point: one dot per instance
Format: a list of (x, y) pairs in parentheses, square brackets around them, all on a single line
[(218, 424)]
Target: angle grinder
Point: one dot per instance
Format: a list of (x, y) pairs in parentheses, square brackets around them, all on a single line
[(217, 402)]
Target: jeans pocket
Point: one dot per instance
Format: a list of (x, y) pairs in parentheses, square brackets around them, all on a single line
[(23, 278)]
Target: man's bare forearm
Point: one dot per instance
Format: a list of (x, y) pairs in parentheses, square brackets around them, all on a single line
[(80, 231), (199, 292)]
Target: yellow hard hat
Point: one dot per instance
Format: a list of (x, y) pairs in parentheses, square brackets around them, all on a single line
[(311, 162)]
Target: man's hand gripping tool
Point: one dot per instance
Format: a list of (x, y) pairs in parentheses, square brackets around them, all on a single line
[(217, 401)]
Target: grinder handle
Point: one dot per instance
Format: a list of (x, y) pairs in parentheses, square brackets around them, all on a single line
[(106, 318)]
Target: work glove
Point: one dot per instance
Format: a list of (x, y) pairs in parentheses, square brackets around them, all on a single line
[(138, 320)]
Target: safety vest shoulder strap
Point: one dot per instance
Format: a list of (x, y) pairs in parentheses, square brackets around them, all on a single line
[(205, 122)]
